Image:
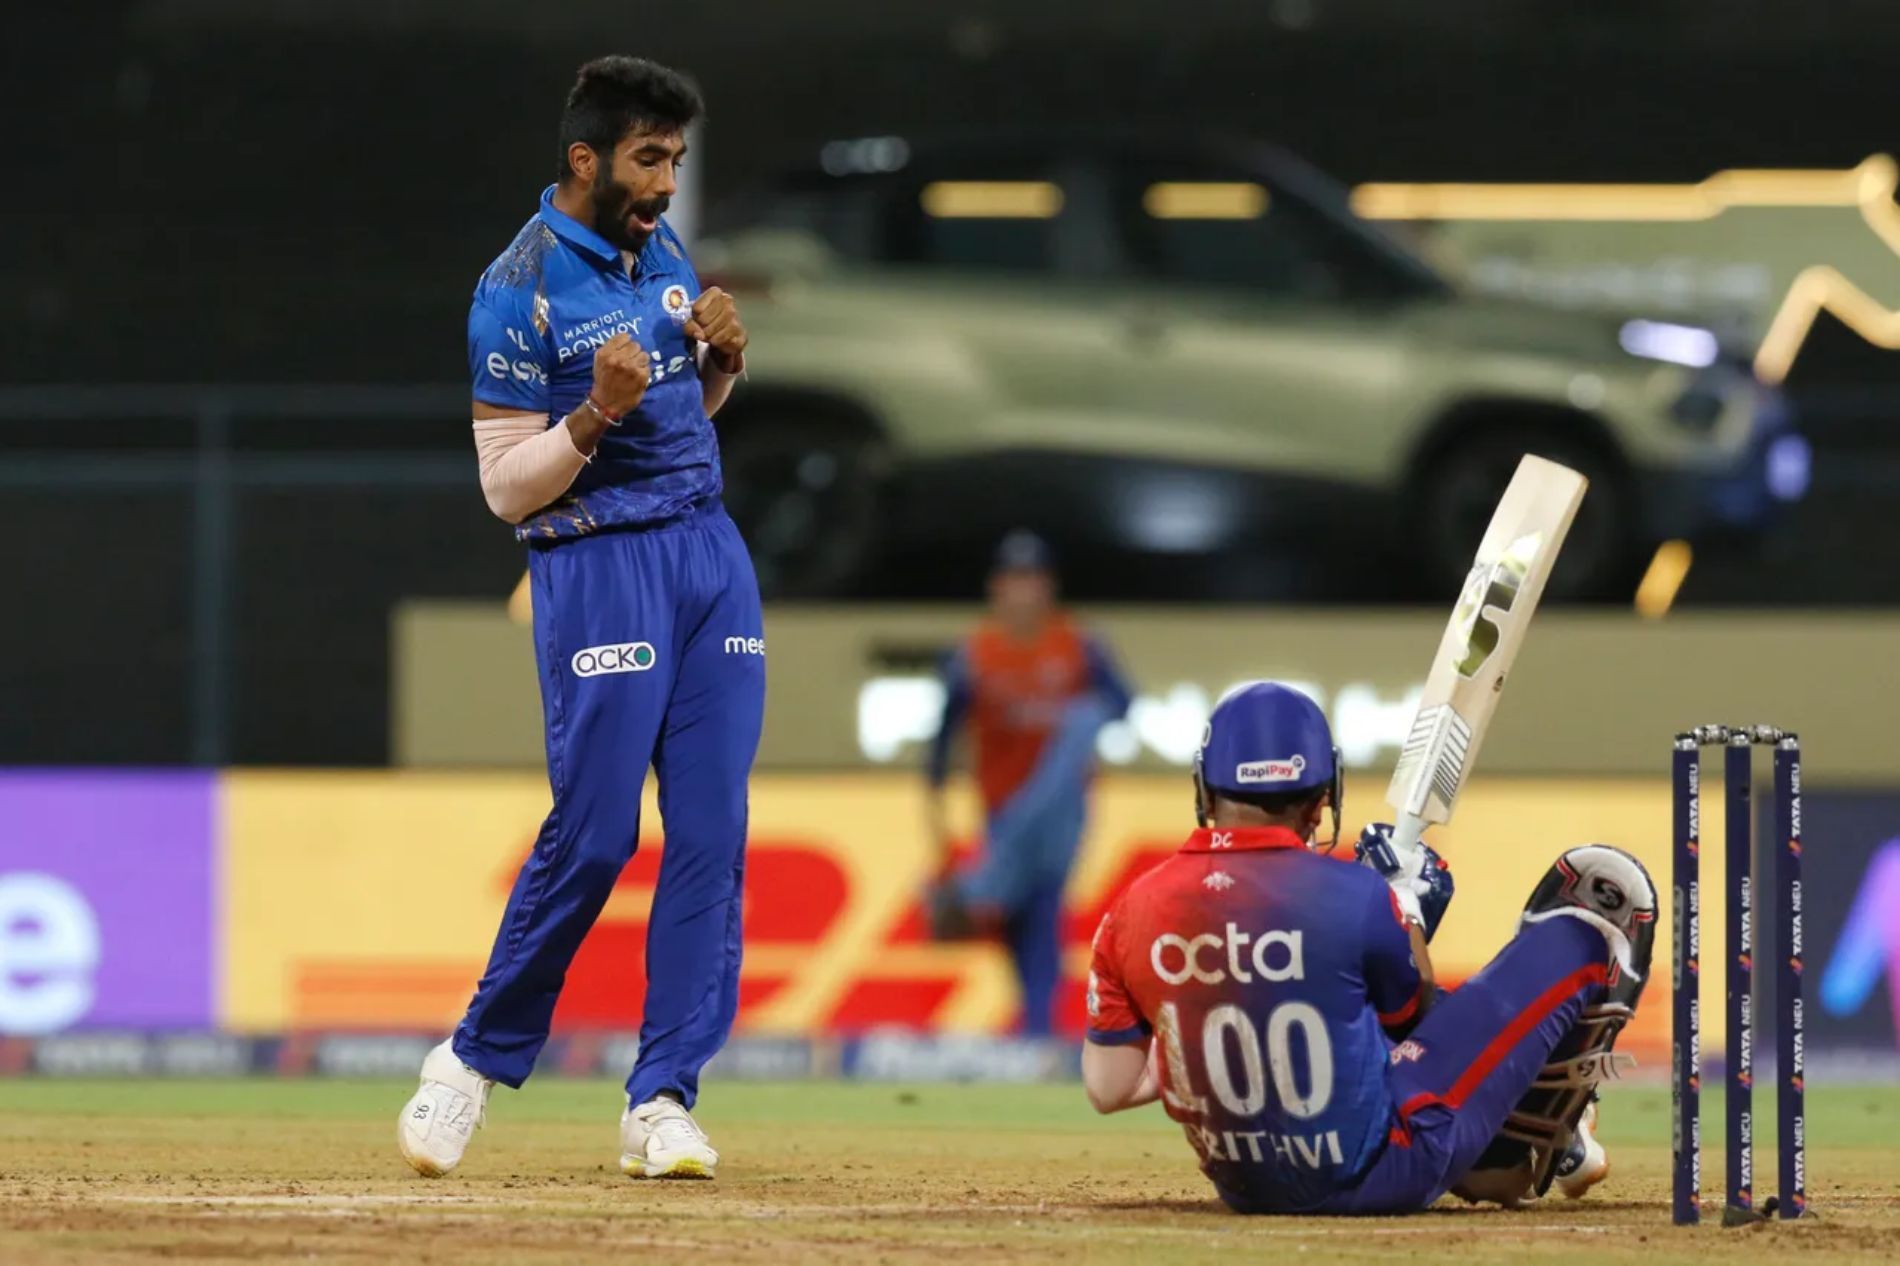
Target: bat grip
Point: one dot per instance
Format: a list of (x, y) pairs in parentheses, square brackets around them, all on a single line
[(1406, 834)]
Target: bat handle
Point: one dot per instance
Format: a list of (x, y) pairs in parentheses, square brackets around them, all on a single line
[(1406, 834)]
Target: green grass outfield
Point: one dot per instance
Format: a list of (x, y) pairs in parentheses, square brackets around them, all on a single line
[(270, 1170)]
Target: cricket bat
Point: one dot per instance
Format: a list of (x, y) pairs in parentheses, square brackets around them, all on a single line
[(1480, 644)]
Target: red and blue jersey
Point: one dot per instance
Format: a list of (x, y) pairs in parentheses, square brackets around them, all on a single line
[(559, 292), (1266, 974)]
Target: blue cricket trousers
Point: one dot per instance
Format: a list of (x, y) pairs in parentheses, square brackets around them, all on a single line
[(651, 652), (1031, 843), (1466, 1066), (1481, 1047)]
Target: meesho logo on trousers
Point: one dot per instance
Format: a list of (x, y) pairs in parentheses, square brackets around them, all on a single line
[(624, 657)]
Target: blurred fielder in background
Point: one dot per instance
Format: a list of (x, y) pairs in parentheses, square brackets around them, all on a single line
[(597, 362), (1035, 690)]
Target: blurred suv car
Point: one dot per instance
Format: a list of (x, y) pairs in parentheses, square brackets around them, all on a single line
[(1154, 349)]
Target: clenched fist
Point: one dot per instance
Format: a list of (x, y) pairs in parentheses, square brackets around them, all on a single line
[(715, 322), (621, 371)]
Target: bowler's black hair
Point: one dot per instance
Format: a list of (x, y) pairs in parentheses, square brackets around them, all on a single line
[(613, 96)]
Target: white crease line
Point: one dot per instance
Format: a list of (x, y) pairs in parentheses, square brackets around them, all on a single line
[(1270, 1227), (584, 1202), (1255, 1227)]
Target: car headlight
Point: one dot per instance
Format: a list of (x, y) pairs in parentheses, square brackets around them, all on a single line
[(1687, 345), (1790, 467)]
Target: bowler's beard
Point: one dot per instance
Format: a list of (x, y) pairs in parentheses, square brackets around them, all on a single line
[(613, 204)]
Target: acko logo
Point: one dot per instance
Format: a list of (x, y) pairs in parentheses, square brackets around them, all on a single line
[(1177, 959), (625, 657), (1271, 770)]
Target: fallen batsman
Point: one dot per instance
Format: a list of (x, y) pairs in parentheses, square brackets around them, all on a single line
[(1280, 1002)]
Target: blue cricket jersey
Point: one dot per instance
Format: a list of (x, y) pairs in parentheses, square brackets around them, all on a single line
[(541, 309)]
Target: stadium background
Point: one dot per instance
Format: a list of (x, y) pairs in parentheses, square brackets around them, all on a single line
[(254, 803)]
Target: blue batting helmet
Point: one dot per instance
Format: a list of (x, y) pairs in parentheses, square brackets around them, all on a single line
[(1264, 739)]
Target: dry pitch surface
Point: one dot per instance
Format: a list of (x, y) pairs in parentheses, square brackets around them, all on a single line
[(271, 1171)]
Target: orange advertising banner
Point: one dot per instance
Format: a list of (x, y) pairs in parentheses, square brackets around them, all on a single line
[(368, 900)]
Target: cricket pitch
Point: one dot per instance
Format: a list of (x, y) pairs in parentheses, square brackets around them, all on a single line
[(269, 1171)]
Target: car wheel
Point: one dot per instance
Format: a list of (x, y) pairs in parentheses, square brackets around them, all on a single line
[(1454, 496), (805, 491)]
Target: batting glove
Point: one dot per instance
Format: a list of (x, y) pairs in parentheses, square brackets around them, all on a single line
[(1421, 879)]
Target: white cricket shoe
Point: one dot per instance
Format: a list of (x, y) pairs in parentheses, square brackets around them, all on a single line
[(660, 1139), (436, 1123), (1585, 1163)]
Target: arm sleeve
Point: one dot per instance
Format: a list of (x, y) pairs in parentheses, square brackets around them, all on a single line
[(1105, 678), (508, 359), (526, 464), (956, 706), (1114, 1019), (1392, 979)]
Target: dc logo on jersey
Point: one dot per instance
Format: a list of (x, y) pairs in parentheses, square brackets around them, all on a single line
[(1270, 770), (676, 304), (625, 657)]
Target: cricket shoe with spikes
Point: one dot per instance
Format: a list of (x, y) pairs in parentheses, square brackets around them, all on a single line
[(660, 1139), (1584, 1163), (445, 1111)]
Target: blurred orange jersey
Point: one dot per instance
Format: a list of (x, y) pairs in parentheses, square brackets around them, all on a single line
[(1018, 691), (1014, 693)]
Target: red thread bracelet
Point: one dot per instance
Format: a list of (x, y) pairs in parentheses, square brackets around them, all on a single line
[(594, 404)]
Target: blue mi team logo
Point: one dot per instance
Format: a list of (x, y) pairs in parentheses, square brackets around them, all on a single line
[(677, 305)]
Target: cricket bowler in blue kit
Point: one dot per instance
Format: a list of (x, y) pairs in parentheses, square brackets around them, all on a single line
[(596, 360), (1280, 1002)]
